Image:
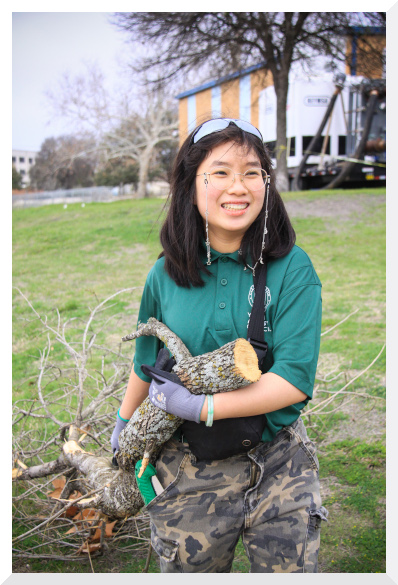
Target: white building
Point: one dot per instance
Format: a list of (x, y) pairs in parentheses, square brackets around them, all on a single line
[(23, 160)]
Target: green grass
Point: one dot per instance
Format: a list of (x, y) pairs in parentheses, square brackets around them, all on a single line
[(70, 259), (354, 539), (327, 193)]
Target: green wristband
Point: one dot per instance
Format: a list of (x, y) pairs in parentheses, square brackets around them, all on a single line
[(121, 418), (210, 410)]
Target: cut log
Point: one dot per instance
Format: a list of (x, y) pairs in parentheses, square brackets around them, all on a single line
[(230, 367), (118, 495), (233, 366), (144, 435)]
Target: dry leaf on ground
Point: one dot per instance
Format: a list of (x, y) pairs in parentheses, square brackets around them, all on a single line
[(89, 548)]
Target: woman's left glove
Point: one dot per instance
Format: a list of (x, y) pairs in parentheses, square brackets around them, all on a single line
[(120, 424), (168, 393)]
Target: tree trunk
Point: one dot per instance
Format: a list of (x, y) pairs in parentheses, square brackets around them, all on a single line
[(281, 83), (144, 162)]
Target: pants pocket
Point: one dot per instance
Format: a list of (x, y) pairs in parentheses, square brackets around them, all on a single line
[(167, 550), (313, 537), (310, 450), (299, 432), (151, 507)]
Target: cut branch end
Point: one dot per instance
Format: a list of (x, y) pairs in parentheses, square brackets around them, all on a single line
[(144, 465), (246, 362)]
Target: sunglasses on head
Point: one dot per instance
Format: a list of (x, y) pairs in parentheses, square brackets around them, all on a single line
[(220, 124)]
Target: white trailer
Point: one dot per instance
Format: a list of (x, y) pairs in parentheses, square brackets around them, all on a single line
[(307, 102)]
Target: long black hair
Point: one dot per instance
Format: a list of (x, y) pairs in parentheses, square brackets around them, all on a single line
[(182, 234)]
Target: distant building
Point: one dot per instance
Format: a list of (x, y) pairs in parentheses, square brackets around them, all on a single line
[(359, 50), (232, 96), (23, 160)]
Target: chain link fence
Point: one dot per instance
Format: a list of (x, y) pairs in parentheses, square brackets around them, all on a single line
[(85, 195)]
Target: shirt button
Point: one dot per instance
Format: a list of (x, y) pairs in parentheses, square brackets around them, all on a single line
[(224, 281), (222, 305), (224, 259)]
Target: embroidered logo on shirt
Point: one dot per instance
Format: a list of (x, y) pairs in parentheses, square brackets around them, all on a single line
[(267, 300)]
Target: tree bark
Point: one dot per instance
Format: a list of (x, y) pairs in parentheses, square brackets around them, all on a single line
[(118, 495), (281, 89), (232, 366), (42, 470), (144, 161)]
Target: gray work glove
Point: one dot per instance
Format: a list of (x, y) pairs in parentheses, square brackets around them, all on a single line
[(120, 424), (168, 393)]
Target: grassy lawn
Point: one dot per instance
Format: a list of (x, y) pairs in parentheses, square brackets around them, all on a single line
[(71, 259)]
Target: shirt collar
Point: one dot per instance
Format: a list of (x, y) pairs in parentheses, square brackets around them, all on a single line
[(216, 255)]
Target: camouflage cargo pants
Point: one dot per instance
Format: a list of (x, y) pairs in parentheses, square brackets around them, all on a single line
[(270, 496)]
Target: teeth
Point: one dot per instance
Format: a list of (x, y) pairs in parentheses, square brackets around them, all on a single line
[(234, 206)]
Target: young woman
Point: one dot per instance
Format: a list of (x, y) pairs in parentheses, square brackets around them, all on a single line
[(226, 221)]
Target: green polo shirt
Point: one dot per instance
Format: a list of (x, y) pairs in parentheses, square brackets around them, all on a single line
[(206, 318)]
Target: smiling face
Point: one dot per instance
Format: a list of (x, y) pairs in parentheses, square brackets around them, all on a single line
[(232, 210)]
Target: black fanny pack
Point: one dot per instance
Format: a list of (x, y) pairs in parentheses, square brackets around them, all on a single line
[(226, 437), (231, 436)]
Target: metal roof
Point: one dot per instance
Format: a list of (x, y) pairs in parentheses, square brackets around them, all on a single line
[(221, 80), (367, 30)]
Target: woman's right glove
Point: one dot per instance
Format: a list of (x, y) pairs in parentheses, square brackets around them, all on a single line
[(168, 392), (120, 424)]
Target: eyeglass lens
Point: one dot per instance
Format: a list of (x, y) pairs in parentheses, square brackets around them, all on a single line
[(222, 178)]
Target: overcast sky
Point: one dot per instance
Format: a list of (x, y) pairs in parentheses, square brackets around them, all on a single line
[(44, 45)]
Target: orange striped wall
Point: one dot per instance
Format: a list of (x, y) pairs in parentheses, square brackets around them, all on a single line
[(203, 106), (183, 119), (368, 56), (259, 80), (230, 99)]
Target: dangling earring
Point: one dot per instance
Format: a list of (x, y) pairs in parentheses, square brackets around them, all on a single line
[(260, 259), (207, 227)]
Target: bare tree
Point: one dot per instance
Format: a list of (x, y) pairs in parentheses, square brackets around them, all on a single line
[(130, 126), (17, 179), (178, 42), (63, 163)]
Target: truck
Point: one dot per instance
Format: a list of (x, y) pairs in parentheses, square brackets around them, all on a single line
[(336, 130)]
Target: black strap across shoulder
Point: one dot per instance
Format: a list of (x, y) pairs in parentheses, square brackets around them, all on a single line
[(255, 332), (231, 436)]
